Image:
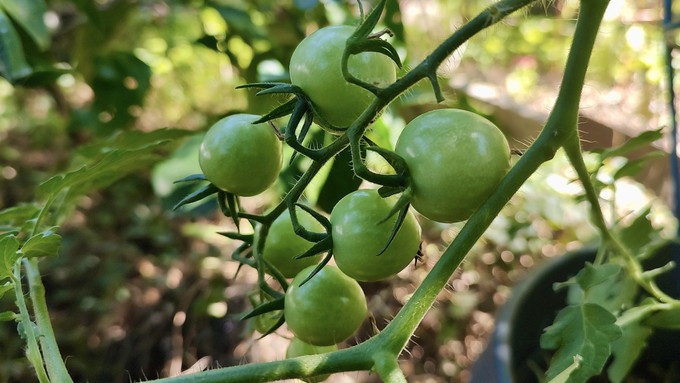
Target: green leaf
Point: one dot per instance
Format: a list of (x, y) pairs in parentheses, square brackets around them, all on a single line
[(13, 65), (29, 14), (640, 141), (5, 287), (18, 215), (8, 255), (585, 331), (666, 319), (563, 377), (239, 21), (132, 140), (627, 349), (592, 275), (634, 167), (124, 155), (7, 316), (639, 234), (45, 244)]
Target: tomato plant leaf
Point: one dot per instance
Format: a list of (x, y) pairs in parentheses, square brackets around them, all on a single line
[(627, 349), (8, 253), (640, 141), (593, 275), (5, 287), (132, 140), (13, 65), (585, 330), (634, 167), (563, 377), (29, 15), (639, 233), (45, 244), (666, 319)]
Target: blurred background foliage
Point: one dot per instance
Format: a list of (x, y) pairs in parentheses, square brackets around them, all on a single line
[(141, 291)]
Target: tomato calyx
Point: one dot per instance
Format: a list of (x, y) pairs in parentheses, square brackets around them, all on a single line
[(266, 309)]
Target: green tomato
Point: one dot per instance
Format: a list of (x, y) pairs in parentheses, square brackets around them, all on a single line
[(299, 348), (240, 157), (327, 309), (358, 237), (316, 67), (283, 245), (455, 159)]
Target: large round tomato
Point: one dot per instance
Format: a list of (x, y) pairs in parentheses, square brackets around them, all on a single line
[(240, 157), (283, 245), (299, 348), (456, 159), (316, 68), (358, 237), (327, 309)]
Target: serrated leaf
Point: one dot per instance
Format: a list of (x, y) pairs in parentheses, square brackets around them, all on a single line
[(113, 160), (13, 65), (132, 140), (638, 235), (29, 15), (7, 316), (627, 349), (640, 141), (580, 330), (593, 275), (563, 377), (45, 244), (634, 167), (8, 255), (17, 215)]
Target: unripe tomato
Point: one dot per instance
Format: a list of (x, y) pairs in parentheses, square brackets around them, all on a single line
[(455, 159), (358, 237), (283, 245), (327, 309), (240, 157), (299, 348), (316, 67)]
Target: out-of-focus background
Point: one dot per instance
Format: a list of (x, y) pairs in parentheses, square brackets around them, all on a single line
[(141, 291)]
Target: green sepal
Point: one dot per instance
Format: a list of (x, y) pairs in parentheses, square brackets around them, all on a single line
[(247, 238), (281, 88), (318, 267), (272, 305), (402, 207), (325, 244), (192, 178), (280, 111), (274, 327), (377, 45), (198, 195), (317, 216), (370, 22), (228, 203)]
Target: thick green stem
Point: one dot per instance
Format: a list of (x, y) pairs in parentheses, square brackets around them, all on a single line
[(32, 350), (357, 358), (53, 360), (561, 126)]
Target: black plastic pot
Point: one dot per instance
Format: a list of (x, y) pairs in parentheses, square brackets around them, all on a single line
[(514, 354)]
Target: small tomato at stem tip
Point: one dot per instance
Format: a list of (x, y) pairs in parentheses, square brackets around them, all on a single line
[(240, 157)]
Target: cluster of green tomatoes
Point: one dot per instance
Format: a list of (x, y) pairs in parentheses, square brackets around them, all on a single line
[(455, 160)]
